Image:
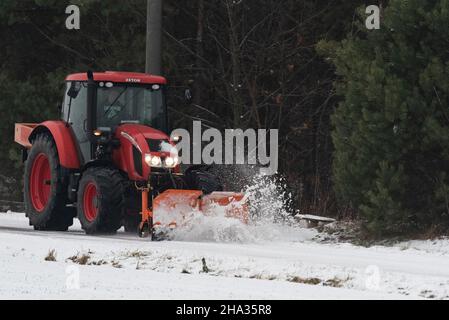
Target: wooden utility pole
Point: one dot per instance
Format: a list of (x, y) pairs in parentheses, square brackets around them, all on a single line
[(153, 63)]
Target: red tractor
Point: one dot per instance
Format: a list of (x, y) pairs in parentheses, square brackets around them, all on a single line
[(110, 162)]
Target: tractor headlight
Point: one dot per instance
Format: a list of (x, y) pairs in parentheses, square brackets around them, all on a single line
[(171, 162), (148, 159), (156, 161), (153, 161)]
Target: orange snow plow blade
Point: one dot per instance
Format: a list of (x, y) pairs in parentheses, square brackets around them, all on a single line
[(183, 202)]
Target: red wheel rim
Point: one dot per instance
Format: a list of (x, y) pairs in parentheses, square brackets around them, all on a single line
[(90, 202), (40, 182)]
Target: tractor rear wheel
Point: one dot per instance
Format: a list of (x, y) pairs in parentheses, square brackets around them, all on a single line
[(45, 194), (101, 200)]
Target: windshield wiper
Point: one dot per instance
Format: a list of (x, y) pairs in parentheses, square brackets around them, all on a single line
[(132, 99), (112, 104)]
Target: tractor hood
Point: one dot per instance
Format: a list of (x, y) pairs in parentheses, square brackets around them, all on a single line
[(136, 130), (136, 141)]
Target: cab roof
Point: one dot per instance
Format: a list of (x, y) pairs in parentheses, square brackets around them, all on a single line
[(118, 76)]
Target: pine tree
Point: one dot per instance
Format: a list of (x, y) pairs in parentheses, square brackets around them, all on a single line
[(391, 131)]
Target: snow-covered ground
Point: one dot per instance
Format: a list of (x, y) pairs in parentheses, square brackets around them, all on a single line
[(213, 259)]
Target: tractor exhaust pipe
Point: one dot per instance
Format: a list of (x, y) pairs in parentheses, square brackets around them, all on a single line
[(91, 112)]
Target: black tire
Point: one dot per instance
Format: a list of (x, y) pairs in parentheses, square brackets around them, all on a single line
[(51, 214), (109, 200), (202, 180)]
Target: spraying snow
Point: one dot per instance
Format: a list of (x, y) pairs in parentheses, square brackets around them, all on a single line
[(269, 219)]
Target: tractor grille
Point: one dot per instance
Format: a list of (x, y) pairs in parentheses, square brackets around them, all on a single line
[(137, 157)]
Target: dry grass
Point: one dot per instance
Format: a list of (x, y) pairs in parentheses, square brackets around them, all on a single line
[(137, 254), (98, 263), (312, 281), (260, 276), (205, 267), (140, 264), (85, 259), (51, 255), (82, 259), (334, 282), (116, 264)]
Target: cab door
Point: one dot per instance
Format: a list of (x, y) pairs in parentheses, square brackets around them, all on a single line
[(74, 112)]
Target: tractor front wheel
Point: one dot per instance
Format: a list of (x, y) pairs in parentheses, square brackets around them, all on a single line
[(101, 200)]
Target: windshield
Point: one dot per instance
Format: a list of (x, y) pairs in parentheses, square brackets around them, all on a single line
[(131, 104)]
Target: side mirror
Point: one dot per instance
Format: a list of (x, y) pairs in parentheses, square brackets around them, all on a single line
[(74, 89)]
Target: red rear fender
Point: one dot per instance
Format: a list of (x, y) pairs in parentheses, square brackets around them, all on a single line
[(64, 139)]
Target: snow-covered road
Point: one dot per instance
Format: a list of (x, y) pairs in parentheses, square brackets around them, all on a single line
[(251, 264)]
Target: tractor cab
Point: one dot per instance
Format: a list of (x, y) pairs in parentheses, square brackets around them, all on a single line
[(97, 106)]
